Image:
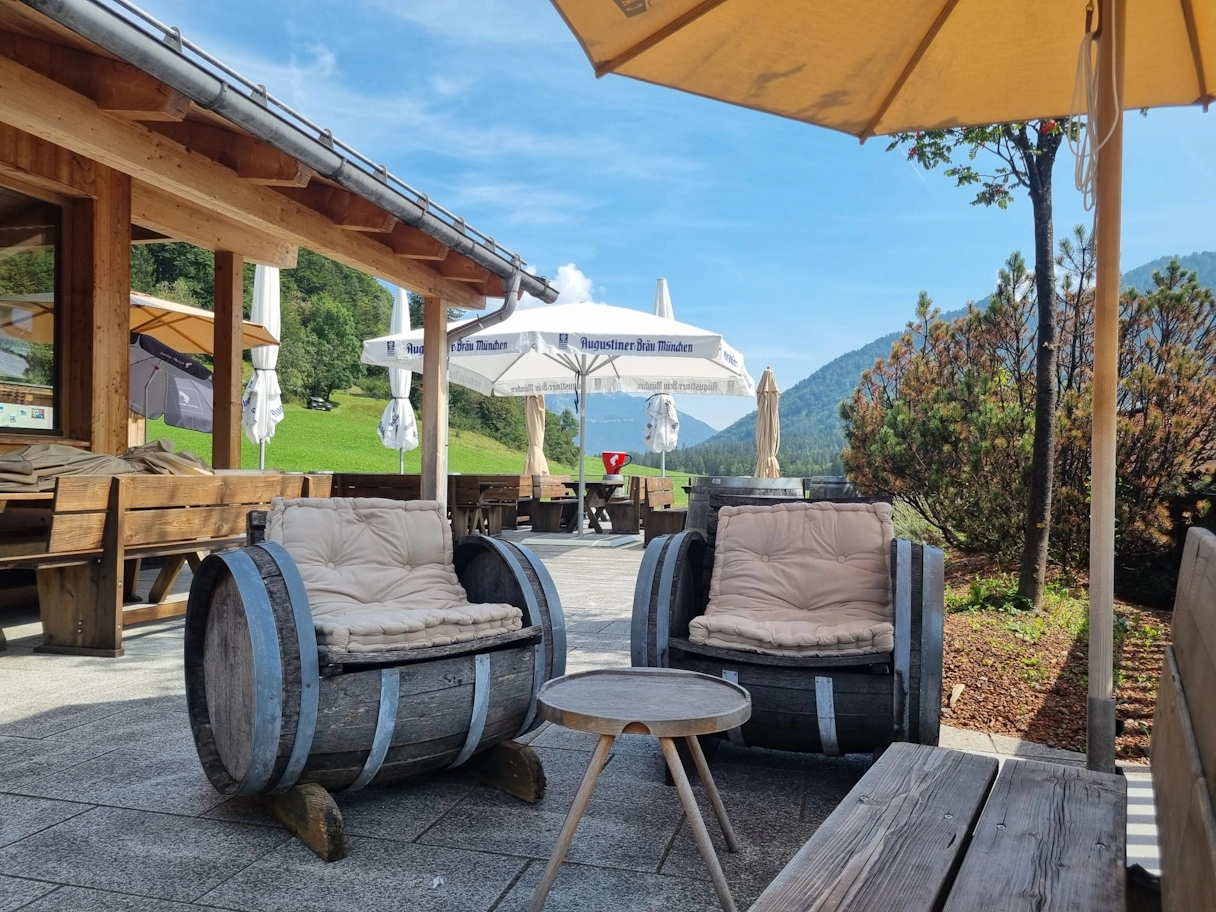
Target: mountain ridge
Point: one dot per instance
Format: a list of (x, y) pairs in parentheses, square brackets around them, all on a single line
[(810, 419)]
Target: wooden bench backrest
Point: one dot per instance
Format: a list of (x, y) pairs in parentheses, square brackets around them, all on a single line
[(502, 489), (389, 487), (78, 513), (549, 486), (165, 511), (1184, 735), (525, 486), (160, 510)]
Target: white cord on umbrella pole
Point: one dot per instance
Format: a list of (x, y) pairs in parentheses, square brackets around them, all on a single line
[(1085, 145)]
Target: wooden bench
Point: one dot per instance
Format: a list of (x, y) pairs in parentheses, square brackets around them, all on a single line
[(929, 829), (383, 485), (1184, 736), (478, 503), (96, 527), (552, 508)]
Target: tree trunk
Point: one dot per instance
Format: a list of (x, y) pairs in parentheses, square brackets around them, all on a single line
[(1042, 461)]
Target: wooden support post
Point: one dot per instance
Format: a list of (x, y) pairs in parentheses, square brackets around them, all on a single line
[(435, 401), (512, 767), (1100, 750), (229, 311), (311, 814), (95, 340)]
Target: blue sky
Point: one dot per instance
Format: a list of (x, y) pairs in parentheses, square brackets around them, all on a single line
[(797, 244)]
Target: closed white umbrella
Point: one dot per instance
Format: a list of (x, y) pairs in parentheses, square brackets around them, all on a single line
[(534, 414), (581, 348), (398, 428), (768, 426), (262, 404), (662, 419)]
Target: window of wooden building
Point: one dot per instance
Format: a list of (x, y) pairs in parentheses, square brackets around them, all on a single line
[(29, 271)]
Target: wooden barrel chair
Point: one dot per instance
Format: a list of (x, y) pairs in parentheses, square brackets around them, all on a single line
[(834, 626), (357, 645)]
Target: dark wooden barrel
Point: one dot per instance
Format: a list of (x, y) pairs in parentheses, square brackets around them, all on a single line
[(832, 705), (267, 715), (702, 488)]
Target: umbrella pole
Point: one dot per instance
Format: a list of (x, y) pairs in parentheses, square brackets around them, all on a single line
[(663, 464), (1100, 742), (262, 455), (582, 449), (401, 460)]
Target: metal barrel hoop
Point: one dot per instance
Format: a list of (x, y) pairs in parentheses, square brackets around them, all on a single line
[(386, 721), (310, 675)]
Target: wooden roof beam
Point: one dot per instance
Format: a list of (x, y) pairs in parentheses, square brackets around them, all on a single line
[(462, 269), (255, 161), (142, 235), (40, 106), (115, 86), (170, 218), (343, 208), (413, 244), (39, 215)]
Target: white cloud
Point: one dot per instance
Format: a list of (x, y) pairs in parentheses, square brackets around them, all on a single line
[(573, 287)]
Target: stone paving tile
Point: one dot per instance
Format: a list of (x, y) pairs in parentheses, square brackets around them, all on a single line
[(21, 816), (148, 728), (81, 899), (403, 812), (136, 779), (24, 761), (583, 888), (768, 838), (15, 894), (139, 852), (377, 876), (616, 834)]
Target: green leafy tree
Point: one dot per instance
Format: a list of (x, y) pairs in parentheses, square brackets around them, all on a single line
[(1022, 156), (333, 348)]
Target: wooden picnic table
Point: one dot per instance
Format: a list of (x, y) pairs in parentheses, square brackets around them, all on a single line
[(595, 499)]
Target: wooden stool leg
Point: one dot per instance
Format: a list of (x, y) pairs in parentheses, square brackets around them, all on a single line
[(693, 813), (598, 759), (698, 756)]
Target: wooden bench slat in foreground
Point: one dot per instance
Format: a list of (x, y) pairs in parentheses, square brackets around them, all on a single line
[(894, 842), (928, 829)]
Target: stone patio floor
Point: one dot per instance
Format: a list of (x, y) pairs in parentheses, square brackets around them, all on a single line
[(103, 805)]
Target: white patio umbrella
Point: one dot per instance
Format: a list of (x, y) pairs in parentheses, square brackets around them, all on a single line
[(662, 419), (768, 426), (398, 427), (580, 348), (262, 404), (535, 462)]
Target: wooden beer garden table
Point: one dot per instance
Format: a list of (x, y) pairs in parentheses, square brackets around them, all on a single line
[(663, 702), (595, 498)]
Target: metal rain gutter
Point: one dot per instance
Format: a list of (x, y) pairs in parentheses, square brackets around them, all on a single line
[(165, 60), (457, 333)]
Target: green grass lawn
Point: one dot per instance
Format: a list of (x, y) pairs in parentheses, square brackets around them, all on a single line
[(345, 440)]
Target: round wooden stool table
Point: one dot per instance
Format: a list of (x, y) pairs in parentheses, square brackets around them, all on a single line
[(663, 702)]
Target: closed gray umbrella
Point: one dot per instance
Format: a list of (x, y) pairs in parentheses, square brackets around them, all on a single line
[(167, 383)]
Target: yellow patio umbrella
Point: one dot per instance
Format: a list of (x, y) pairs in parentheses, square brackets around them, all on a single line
[(871, 67), (186, 329), (768, 426)]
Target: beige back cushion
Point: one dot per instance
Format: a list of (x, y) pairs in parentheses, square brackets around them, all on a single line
[(801, 579), (364, 550)]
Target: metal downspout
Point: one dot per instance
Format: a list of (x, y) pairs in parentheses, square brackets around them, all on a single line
[(494, 318), (111, 31)]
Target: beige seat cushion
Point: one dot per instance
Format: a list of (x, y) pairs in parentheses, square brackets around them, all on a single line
[(379, 574), (804, 579)]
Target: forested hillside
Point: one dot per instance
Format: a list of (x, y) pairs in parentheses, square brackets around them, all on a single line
[(327, 310), (811, 430)]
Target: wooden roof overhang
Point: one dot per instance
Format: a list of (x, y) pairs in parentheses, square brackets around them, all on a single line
[(198, 177)]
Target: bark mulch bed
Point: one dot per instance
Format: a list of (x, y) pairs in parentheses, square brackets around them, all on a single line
[(1024, 674)]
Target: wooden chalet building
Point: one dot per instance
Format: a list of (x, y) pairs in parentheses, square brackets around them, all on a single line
[(114, 130)]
